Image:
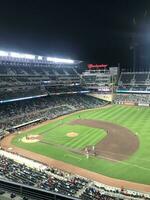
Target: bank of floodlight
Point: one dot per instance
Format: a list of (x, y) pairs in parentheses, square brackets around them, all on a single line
[(40, 57), (29, 56), (3, 53), (16, 55), (33, 57), (22, 55), (60, 60)]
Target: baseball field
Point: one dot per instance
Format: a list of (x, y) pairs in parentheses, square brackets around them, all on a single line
[(113, 141)]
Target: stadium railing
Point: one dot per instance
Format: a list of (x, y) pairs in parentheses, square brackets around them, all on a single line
[(31, 192)]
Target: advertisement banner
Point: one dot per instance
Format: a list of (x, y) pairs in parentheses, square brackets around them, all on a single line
[(143, 104)]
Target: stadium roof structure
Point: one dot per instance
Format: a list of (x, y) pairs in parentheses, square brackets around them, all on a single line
[(24, 57)]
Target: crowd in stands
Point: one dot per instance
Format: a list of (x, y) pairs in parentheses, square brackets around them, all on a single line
[(46, 179), (12, 93), (32, 91), (15, 113), (64, 89), (132, 98), (17, 74), (91, 193), (137, 78), (56, 180), (33, 69)]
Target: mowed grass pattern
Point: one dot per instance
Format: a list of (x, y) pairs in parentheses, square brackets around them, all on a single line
[(137, 119), (86, 136)]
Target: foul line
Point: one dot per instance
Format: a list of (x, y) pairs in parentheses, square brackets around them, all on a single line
[(125, 163)]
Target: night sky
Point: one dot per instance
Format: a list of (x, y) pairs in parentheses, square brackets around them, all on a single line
[(93, 31)]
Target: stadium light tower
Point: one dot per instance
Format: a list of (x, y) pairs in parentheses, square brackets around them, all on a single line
[(34, 57), (60, 60), (3, 53), (40, 57), (22, 55), (29, 56)]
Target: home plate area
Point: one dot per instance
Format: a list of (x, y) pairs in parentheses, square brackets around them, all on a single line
[(31, 139)]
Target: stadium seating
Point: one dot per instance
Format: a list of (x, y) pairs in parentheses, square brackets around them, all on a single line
[(91, 193), (63, 89), (24, 74), (133, 87), (134, 98), (52, 179), (15, 113), (20, 93), (30, 69), (127, 78)]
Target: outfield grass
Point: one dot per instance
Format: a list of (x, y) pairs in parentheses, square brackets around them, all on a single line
[(136, 168)]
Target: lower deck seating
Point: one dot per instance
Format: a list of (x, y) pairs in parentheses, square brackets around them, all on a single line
[(56, 180), (15, 113)]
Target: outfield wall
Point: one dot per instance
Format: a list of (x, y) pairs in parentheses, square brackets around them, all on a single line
[(106, 97), (130, 103)]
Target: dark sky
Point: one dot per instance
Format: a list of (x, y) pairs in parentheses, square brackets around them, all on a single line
[(93, 31)]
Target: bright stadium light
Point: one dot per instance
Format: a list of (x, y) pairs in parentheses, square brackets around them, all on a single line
[(29, 56), (33, 57), (60, 60), (40, 58), (3, 53), (16, 55), (21, 55)]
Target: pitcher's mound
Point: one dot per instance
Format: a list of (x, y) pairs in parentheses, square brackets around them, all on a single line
[(72, 134), (31, 138)]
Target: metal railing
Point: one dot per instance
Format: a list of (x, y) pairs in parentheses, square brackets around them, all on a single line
[(31, 192)]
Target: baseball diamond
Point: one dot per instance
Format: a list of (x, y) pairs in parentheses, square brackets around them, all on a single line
[(115, 132)]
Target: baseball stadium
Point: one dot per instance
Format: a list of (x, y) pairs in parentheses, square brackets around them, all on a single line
[(71, 130)]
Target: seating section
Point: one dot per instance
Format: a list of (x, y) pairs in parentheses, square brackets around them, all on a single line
[(89, 79), (91, 193), (141, 78), (126, 78), (29, 91), (135, 85), (16, 76), (15, 113), (133, 98), (15, 93), (52, 179), (63, 89), (130, 78), (30, 69)]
